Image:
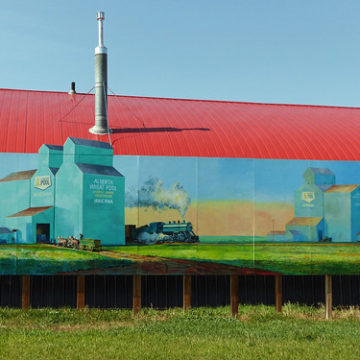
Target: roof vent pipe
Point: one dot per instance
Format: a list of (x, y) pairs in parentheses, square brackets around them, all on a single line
[(72, 89), (101, 121)]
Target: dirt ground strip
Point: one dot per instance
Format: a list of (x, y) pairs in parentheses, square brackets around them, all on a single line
[(154, 265)]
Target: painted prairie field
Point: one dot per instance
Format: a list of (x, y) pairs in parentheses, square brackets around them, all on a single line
[(49, 260), (228, 256), (285, 258)]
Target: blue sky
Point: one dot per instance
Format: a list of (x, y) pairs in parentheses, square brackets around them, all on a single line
[(282, 51)]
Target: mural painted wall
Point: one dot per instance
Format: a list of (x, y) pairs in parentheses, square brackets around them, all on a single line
[(77, 209)]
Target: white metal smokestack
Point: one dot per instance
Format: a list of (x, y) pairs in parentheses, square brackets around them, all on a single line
[(101, 122)]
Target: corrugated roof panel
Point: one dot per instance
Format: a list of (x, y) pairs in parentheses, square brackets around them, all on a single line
[(174, 127), (16, 122)]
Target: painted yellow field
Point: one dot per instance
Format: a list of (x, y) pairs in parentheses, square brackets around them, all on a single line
[(221, 218)]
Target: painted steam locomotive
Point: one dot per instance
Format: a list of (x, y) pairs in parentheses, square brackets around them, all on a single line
[(170, 232)]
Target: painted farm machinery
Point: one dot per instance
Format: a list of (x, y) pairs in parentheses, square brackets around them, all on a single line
[(79, 244)]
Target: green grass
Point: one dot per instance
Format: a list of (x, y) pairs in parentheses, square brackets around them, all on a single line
[(49, 259), (258, 333), (286, 258), (232, 239)]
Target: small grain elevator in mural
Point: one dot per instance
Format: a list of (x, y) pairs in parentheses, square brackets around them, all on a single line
[(324, 210), (90, 193)]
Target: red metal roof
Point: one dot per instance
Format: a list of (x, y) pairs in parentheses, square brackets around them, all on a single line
[(174, 127)]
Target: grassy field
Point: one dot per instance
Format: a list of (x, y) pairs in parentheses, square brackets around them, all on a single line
[(49, 259), (258, 333), (286, 258), (232, 239)]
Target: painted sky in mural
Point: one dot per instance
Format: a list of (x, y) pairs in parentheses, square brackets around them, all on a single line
[(219, 178), (234, 175), (228, 196)]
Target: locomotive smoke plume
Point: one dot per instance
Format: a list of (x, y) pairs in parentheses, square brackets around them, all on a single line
[(154, 194)]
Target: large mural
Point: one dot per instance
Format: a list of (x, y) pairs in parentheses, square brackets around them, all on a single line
[(77, 209)]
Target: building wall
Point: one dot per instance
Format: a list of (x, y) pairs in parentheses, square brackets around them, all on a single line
[(15, 197), (50, 159), (305, 232), (50, 156), (355, 214), (24, 233), (309, 201), (103, 198), (87, 154), (45, 217), (7, 237), (338, 216), (68, 201), (318, 176), (43, 197), (26, 226)]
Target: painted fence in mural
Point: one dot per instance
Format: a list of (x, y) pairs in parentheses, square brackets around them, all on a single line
[(77, 209)]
